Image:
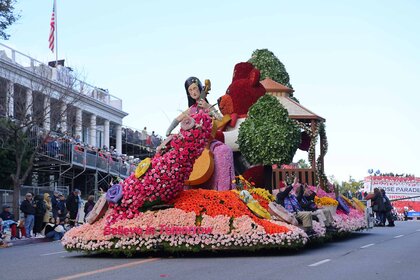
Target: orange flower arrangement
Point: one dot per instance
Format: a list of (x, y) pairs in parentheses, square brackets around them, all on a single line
[(211, 203), (270, 228)]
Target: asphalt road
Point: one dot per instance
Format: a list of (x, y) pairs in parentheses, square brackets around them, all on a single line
[(380, 253)]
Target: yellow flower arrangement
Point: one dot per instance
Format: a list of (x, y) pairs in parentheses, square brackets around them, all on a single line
[(263, 193), (142, 167), (348, 201), (359, 205), (258, 210), (325, 201)]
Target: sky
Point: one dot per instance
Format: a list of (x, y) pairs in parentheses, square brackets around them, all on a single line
[(355, 63)]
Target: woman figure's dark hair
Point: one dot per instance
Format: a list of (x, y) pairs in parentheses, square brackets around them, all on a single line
[(187, 84)]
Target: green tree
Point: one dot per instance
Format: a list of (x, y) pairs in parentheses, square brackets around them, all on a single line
[(7, 16), (351, 185), (7, 162), (270, 67), (303, 164), (268, 136), (20, 135)]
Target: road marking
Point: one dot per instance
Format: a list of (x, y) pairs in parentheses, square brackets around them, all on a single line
[(320, 262), (368, 245), (115, 267), (48, 254), (398, 236)]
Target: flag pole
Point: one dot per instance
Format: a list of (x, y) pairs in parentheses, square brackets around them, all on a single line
[(56, 33)]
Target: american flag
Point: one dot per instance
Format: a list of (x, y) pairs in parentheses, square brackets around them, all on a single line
[(52, 30)]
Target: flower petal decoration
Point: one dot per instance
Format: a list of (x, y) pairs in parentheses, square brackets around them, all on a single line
[(114, 193), (164, 145), (142, 167), (187, 123)]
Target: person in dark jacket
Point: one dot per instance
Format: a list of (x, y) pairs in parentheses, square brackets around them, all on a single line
[(377, 206), (388, 208), (54, 204), (289, 201), (72, 204), (62, 209), (306, 198), (28, 211), (40, 210), (89, 204)]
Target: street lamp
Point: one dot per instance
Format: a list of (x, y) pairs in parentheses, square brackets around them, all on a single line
[(370, 171)]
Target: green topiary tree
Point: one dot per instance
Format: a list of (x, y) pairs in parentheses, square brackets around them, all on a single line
[(270, 66), (268, 136)]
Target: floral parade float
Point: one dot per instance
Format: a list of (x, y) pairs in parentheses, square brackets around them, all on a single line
[(153, 210)]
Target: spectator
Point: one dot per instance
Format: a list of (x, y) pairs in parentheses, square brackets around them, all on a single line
[(40, 210), (387, 209), (290, 202), (143, 136), (10, 222), (54, 204), (89, 204), (54, 230), (72, 205), (66, 223), (61, 204), (377, 206), (306, 197), (48, 209), (28, 210)]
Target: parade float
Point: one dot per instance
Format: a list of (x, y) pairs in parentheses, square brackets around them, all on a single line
[(168, 203)]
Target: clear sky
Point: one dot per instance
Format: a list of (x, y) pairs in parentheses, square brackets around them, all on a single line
[(355, 63)]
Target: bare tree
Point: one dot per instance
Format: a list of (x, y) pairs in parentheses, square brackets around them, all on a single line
[(33, 101)]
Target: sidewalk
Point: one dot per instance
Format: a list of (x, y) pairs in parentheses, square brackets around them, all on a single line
[(26, 241)]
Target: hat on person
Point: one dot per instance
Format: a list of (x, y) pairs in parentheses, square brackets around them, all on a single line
[(281, 185), (5, 207)]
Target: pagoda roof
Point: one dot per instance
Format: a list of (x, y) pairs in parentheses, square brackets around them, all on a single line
[(273, 86), (295, 109)]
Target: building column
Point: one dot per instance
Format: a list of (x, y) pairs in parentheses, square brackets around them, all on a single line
[(92, 130), (10, 99), (118, 145), (29, 105), (79, 120), (47, 113), (63, 117), (106, 133)]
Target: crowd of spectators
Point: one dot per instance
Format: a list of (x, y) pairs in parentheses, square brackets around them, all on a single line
[(45, 216), (58, 145)]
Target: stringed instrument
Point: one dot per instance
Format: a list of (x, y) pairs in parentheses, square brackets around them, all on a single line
[(203, 166), (202, 170)]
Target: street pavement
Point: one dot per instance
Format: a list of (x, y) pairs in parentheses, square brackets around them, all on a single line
[(379, 253)]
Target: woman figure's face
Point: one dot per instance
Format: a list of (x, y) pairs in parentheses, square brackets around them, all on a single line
[(194, 91)]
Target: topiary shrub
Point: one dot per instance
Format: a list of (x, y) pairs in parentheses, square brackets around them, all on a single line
[(268, 136)]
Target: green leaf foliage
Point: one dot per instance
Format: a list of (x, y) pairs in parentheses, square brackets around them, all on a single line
[(270, 67), (7, 16), (268, 136)]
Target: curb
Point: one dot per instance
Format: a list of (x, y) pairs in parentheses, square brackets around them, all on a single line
[(26, 241)]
